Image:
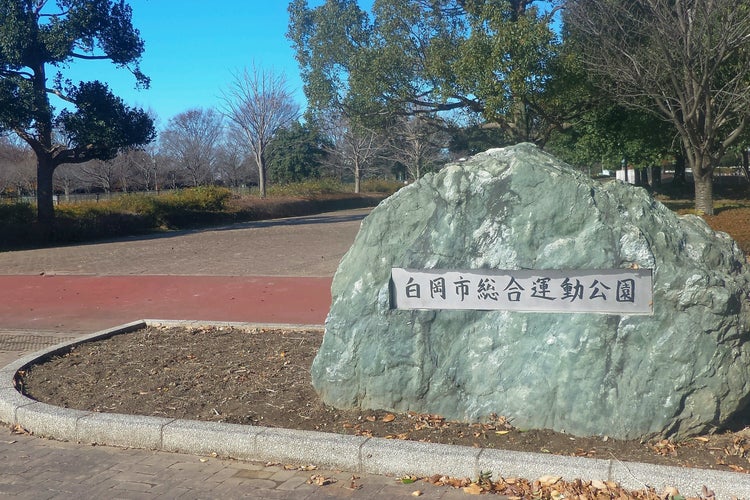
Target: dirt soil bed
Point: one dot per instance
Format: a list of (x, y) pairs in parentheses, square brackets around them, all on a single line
[(262, 377)]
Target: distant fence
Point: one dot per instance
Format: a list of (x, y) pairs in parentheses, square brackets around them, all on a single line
[(96, 197), (80, 197)]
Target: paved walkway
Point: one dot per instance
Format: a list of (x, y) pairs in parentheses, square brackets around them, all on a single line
[(268, 271), (273, 271), (38, 469)]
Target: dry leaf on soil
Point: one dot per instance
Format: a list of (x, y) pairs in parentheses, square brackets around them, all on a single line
[(549, 480), (473, 489)]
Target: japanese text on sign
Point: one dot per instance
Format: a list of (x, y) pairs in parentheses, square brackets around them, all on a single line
[(606, 291)]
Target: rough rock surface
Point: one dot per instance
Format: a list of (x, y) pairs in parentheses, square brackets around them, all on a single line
[(683, 370)]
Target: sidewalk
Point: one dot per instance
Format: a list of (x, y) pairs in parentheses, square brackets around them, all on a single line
[(39, 469)]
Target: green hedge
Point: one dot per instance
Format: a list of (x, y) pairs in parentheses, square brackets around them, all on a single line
[(132, 214)]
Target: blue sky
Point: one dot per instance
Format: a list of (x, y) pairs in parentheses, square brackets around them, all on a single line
[(194, 47)]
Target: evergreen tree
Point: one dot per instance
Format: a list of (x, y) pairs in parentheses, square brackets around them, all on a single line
[(38, 35)]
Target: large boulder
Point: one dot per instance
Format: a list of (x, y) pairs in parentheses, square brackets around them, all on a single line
[(680, 371)]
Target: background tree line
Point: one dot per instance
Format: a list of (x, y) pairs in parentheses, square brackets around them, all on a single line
[(594, 81), (200, 147), (397, 90)]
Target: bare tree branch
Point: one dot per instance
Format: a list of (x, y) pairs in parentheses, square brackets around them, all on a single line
[(685, 60), (259, 103)]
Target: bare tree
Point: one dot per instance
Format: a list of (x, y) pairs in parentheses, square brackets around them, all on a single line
[(105, 175), (260, 103), (417, 143), (688, 61), (191, 140), (69, 178), (352, 147), (235, 166), (16, 168), (138, 168)]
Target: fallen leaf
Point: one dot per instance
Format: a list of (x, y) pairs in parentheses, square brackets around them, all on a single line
[(389, 418), (549, 480), (204, 460), (320, 480), (416, 493), (370, 418), (702, 439), (18, 429), (473, 489), (352, 483), (408, 480), (670, 491), (599, 485), (501, 433)]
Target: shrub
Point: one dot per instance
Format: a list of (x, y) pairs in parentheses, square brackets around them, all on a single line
[(204, 198), (130, 214), (386, 186), (135, 204), (173, 209), (310, 187), (17, 213)]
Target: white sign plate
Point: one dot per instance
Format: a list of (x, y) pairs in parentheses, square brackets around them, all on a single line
[(605, 291)]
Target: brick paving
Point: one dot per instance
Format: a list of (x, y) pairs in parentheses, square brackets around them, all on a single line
[(41, 469), (254, 256)]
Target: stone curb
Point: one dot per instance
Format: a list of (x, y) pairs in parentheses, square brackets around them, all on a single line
[(334, 451)]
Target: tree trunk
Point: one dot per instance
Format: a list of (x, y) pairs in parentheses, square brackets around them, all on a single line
[(679, 171), (637, 177), (644, 177), (656, 176), (262, 177), (357, 177), (704, 196), (45, 169)]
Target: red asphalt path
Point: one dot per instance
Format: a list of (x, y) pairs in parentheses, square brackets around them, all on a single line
[(81, 303)]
